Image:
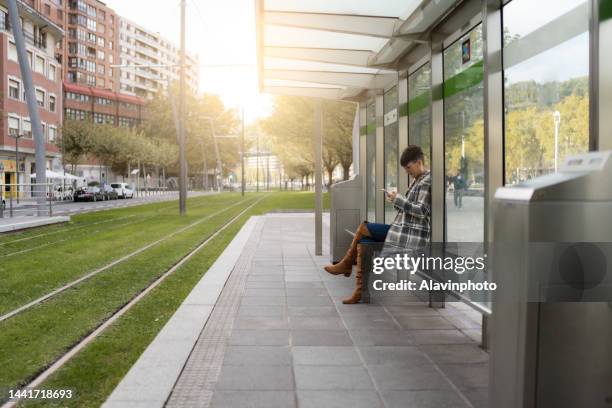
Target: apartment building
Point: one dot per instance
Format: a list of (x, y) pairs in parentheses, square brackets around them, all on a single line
[(42, 34), (140, 46), (90, 45)]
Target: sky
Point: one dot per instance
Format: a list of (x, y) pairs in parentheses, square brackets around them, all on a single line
[(222, 33)]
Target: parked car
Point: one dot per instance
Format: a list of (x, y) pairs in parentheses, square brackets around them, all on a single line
[(109, 193), (123, 190), (90, 193)]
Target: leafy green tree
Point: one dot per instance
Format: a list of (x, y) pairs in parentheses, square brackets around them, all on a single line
[(76, 141)]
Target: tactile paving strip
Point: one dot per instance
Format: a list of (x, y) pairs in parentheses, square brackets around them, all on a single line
[(195, 385)]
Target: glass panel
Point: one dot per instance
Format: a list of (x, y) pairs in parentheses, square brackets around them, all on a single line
[(419, 113), (371, 162), (464, 138), (391, 149), (546, 96)]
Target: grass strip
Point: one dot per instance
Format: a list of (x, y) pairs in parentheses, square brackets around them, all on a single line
[(28, 277), (33, 340)]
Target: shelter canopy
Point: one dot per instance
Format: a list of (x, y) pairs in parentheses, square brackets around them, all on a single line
[(338, 49)]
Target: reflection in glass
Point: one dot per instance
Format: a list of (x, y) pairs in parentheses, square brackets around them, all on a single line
[(419, 114), (546, 96), (371, 162), (464, 138), (391, 149)]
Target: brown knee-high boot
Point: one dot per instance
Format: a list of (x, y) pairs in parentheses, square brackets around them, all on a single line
[(356, 296), (345, 266)]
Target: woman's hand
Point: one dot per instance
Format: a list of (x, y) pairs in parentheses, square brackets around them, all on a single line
[(391, 196)]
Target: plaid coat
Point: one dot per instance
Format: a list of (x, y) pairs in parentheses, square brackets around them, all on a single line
[(411, 228)]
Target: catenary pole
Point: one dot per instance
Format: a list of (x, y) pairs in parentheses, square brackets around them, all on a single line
[(318, 149), (242, 155), (182, 160), (26, 76)]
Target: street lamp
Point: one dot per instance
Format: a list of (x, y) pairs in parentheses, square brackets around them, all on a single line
[(17, 137), (557, 120)]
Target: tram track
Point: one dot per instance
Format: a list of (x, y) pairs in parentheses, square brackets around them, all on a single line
[(109, 265), (86, 340)]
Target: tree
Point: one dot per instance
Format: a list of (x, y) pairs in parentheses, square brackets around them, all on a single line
[(290, 130), (76, 141)]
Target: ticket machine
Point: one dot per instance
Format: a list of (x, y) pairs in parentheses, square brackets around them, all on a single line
[(551, 327)]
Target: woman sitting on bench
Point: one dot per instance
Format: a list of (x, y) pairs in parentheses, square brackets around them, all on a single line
[(410, 229)]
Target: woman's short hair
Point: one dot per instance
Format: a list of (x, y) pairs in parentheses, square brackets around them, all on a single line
[(410, 154)]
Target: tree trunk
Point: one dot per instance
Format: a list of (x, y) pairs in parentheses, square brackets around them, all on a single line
[(345, 171), (329, 174)]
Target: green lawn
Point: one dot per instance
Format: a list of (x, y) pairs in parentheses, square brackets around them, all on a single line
[(34, 339)]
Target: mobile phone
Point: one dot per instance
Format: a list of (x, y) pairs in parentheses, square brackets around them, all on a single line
[(386, 191)]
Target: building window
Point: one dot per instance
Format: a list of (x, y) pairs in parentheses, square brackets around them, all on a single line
[(40, 98), (91, 38), (14, 86), (101, 55), (101, 14), (27, 128), (43, 125), (52, 103), (12, 51), (52, 72), (104, 118), (30, 58), (104, 101), (47, 9), (13, 126), (76, 114), (92, 24), (52, 134), (101, 28), (40, 65), (101, 41)]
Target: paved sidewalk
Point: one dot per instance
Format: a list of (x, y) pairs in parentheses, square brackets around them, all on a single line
[(279, 336)]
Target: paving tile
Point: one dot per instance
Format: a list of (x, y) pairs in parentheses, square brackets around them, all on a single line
[(393, 355), (262, 311), (440, 337), (255, 378), (413, 310), (260, 338), (479, 397), (264, 300), (324, 355), (387, 337), (309, 301), (332, 378), (261, 323), (395, 377), (304, 285), (276, 284), (370, 322), (463, 322), (253, 399), (265, 292), (320, 338), (312, 311), (302, 277), (456, 353), (473, 334), (307, 292), (338, 399), (257, 355), (466, 376), (316, 323), (423, 323), (266, 278), (423, 399)]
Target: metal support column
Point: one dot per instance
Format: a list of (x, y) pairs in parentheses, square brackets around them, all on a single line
[(601, 74), (363, 132), (318, 152), (380, 159), (437, 143), (242, 156), (402, 126), (182, 158), (493, 122), (26, 76)]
